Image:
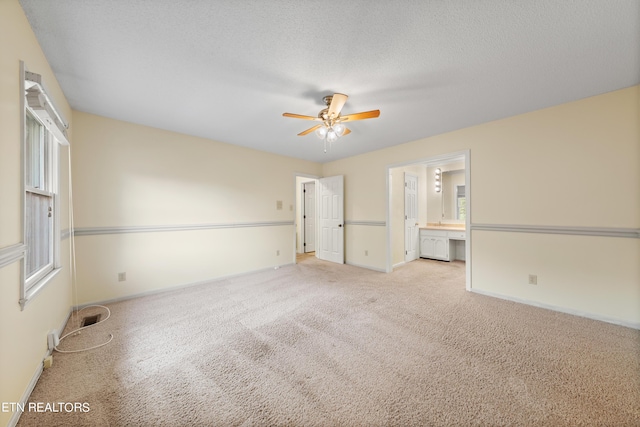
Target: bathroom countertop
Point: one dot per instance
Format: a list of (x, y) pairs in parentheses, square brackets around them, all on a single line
[(445, 227)]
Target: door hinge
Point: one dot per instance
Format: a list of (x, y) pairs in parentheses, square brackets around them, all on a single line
[(406, 252), (405, 217)]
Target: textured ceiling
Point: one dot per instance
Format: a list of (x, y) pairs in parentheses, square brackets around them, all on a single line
[(227, 70)]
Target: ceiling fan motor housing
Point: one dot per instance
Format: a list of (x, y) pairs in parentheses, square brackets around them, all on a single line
[(324, 115)]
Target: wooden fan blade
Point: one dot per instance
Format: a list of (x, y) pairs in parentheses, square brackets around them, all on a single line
[(347, 131), (308, 131), (361, 116), (337, 102), (299, 116)]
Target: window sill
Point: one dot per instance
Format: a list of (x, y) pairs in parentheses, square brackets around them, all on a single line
[(35, 289)]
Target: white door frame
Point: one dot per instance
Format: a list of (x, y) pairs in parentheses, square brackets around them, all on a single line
[(296, 195), (466, 155)]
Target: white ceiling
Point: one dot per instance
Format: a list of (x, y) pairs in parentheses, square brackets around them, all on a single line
[(227, 70)]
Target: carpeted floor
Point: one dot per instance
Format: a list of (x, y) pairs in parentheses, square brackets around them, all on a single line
[(320, 344)]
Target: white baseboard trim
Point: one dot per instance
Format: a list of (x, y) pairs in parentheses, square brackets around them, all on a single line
[(579, 313), (366, 267), (25, 396), (34, 379), (400, 264), (177, 287)]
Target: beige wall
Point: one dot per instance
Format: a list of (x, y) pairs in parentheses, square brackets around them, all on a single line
[(23, 334), (126, 175), (583, 274), (552, 167), (363, 248)]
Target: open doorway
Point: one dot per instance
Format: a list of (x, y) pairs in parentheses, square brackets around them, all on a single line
[(443, 213), (319, 217), (308, 220), (306, 232)]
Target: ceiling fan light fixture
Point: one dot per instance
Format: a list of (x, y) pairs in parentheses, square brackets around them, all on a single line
[(339, 129), (332, 136), (321, 132)]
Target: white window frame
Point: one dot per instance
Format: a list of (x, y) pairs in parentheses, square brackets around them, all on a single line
[(30, 285), (458, 201)]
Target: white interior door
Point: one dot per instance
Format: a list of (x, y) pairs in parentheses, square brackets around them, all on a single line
[(309, 216), (331, 234), (410, 217)]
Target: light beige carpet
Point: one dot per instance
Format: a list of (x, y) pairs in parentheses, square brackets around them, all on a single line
[(320, 344)]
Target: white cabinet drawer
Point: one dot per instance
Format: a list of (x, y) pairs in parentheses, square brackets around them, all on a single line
[(457, 235), (435, 233)]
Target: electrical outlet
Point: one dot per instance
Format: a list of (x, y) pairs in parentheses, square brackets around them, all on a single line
[(122, 277), (279, 205), (278, 252), (47, 362), (533, 279), (366, 253)]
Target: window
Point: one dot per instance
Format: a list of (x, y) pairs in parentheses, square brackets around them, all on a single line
[(39, 201), (461, 203), (42, 136)]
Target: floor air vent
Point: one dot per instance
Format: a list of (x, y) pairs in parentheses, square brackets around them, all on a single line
[(90, 320)]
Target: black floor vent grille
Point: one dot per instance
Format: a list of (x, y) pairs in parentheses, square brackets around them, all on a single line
[(90, 320)]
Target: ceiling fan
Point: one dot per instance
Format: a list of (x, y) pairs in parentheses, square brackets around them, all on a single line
[(332, 126)]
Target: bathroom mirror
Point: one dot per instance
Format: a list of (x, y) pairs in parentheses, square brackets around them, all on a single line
[(454, 201)]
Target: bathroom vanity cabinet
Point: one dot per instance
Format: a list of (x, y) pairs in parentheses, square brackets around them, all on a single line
[(439, 244)]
